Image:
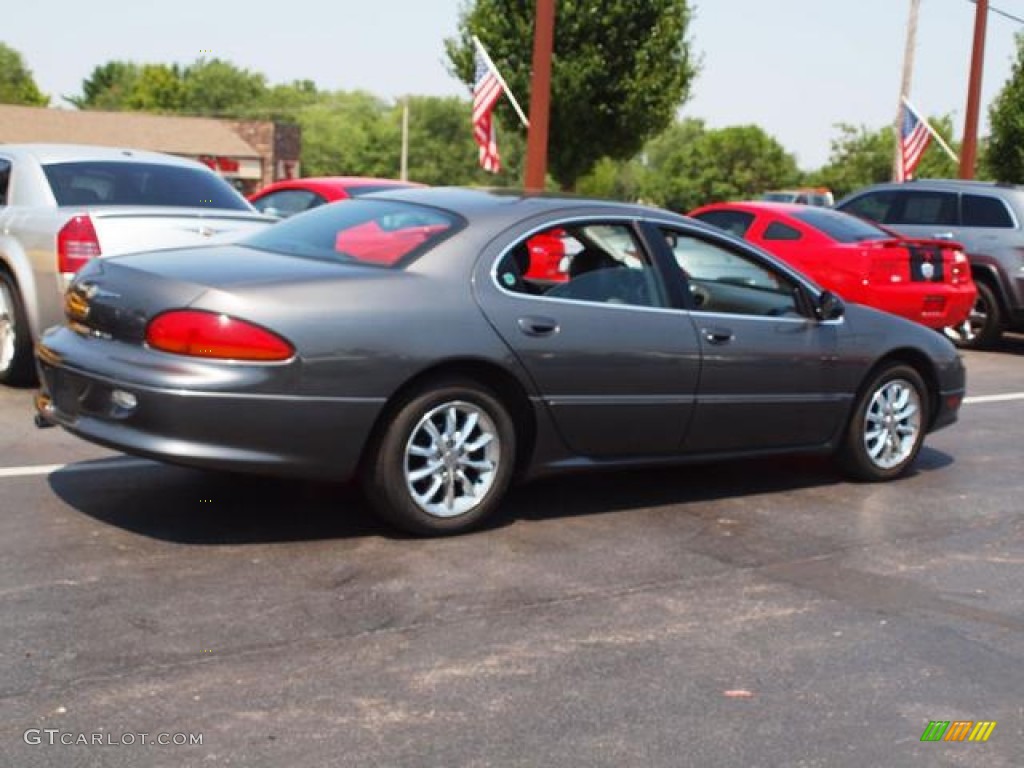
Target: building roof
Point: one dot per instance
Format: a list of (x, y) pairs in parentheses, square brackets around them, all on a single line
[(162, 133)]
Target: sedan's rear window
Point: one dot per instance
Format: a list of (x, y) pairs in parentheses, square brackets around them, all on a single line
[(381, 232), (130, 183), (355, 190), (841, 227)]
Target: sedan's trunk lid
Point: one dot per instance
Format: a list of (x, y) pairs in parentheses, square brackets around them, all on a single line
[(117, 297)]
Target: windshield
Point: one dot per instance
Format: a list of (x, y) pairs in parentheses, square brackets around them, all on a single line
[(841, 227), (131, 183), (381, 232)]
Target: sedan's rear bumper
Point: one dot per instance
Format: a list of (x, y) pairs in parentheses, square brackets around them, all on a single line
[(269, 433)]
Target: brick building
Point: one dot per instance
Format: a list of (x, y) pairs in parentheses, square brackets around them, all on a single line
[(249, 153)]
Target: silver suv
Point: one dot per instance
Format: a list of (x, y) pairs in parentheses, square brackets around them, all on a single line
[(987, 218)]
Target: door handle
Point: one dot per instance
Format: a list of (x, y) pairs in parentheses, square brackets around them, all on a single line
[(534, 325), (943, 236), (717, 335)]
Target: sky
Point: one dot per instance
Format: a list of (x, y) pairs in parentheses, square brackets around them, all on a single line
[(794, 67)]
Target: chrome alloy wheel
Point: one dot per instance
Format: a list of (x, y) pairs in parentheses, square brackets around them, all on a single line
[(451, 459), (8, 331), (892, 423)]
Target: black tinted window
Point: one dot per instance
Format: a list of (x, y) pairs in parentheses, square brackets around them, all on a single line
[(116, 183), (287, 202), (984, 211), (5, 177), (841, 227), (874, 206), (779, 231), (923, 208), (735, 222)]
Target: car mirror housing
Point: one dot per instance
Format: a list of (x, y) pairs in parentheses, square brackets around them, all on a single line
[(830, 306)]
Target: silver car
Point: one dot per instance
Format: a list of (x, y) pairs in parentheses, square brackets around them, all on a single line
[(62, 205)]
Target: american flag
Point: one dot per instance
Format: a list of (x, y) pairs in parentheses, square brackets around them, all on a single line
[(487, 90), (914, 138)]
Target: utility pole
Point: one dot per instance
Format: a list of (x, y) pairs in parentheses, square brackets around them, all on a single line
[(908, 76), (540, 96), (969, 151), (403, 172)]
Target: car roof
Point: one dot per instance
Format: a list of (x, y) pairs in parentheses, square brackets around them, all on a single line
[(949, 184), (514, 204), (58, 153), (768, 206)]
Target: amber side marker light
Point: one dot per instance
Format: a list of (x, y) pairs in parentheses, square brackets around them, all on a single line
[(209, 334)]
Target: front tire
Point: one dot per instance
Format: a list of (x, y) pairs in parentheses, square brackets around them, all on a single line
[(888, 425), (16, 363), (443, 460), (983, 326)]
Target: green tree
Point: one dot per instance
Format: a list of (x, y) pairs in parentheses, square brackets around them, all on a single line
[(1004, 158), (690, 165), (157, 88), (620, 70), (17, 86), (345, 133), (861, 156), (107, 87), (218, 87), (441, 146)]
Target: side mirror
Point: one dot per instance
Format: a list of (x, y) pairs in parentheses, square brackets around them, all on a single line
[(829, 306)]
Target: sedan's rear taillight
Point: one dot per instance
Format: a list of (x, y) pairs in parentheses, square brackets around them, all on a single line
[(209, 334), (76, 244)]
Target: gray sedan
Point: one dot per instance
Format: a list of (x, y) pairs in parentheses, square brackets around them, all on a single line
[(401, 339)]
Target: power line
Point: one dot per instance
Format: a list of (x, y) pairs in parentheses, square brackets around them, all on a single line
[(1002, 13)]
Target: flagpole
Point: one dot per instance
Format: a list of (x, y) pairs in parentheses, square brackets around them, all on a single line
[(504, 85), (908, 76), (932, 131)]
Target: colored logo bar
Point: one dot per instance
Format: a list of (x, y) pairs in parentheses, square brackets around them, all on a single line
[(958, 730)]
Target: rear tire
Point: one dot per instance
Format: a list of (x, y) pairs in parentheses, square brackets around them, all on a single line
[(17, 367), (887, 427), (443, 460), (983, 326)]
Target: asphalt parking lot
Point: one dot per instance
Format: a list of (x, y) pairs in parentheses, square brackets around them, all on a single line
[(760, 613)]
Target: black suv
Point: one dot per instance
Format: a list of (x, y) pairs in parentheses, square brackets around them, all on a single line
[(987, 218)]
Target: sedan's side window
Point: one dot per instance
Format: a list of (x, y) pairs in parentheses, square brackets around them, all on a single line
[(589, 261), (727, 281), (779, 231)]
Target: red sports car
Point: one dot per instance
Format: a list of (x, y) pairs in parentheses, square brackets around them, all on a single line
[(928, 281), (291, 196)]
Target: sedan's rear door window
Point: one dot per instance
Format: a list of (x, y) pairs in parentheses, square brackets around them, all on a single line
[(604, 263)]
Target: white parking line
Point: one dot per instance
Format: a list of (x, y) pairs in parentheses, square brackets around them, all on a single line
[(121, 463), (83, 466), (994, 398)]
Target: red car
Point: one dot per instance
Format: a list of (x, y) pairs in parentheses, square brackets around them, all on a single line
[(291, 196), (928, 281)]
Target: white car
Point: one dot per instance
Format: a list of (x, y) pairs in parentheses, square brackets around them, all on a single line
[(62, 205)]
